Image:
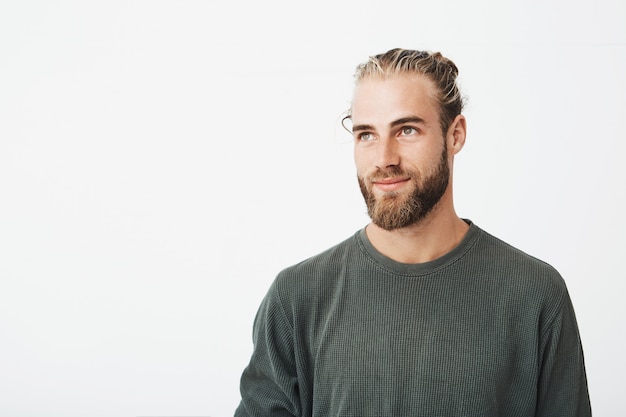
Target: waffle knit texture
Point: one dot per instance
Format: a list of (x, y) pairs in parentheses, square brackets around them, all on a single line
[(485, 330)]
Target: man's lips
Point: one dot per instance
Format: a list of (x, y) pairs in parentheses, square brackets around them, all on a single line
[(390, 184)]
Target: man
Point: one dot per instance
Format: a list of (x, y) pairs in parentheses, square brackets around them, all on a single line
[(421, 313)]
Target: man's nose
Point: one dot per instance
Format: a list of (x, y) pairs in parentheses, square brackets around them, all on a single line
[(387, 153)]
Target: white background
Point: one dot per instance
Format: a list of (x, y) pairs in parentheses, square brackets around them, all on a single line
[(161, 161)]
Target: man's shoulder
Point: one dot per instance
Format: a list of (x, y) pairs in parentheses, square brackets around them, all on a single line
[(323, 263), (318, 276), (495, 247), (506, 260)]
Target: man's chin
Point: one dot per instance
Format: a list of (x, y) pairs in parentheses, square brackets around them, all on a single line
[(391, 218)]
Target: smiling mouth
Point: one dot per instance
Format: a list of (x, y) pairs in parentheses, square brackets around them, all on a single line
[(390, 184)]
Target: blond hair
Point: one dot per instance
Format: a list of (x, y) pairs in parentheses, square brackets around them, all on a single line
[(439, 69)]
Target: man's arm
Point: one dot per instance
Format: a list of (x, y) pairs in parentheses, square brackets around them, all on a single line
[(562, 387), (269, 384)]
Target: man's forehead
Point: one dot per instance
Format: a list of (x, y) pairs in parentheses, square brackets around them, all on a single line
[(379, 95)]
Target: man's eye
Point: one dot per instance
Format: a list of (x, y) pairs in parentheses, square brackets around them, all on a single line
[(365, 137), (409, 130)]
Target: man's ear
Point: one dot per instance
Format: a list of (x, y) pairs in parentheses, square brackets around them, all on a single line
[(456, 134)]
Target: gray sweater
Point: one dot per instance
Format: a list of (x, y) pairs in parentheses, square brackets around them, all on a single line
[(485, 330)]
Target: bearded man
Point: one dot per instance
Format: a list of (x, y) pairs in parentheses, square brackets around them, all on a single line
[(420, 313)]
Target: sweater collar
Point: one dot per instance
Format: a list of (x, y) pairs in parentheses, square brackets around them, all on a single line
[(422, 268)]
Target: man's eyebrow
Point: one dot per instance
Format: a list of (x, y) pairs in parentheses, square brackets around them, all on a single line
[(401, 121), (405, 120), (357, 128)]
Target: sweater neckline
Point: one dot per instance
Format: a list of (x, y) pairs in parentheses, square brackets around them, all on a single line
[(424, 268)]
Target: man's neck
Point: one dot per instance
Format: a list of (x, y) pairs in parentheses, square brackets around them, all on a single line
[(427, 240)]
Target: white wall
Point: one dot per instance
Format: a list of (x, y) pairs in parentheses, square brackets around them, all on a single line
[(161, 161)]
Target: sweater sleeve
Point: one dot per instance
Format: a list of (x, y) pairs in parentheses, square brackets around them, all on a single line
[(269, 384), (562, 389)]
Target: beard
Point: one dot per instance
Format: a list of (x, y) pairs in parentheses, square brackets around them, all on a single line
[(395, 210)]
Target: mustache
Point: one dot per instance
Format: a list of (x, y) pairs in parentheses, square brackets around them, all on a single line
[(390, 172)]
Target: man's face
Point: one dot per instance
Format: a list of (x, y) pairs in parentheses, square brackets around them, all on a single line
[(400, 151)]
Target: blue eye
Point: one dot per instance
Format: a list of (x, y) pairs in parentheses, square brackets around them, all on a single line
[(409, 130), (366, 137)]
